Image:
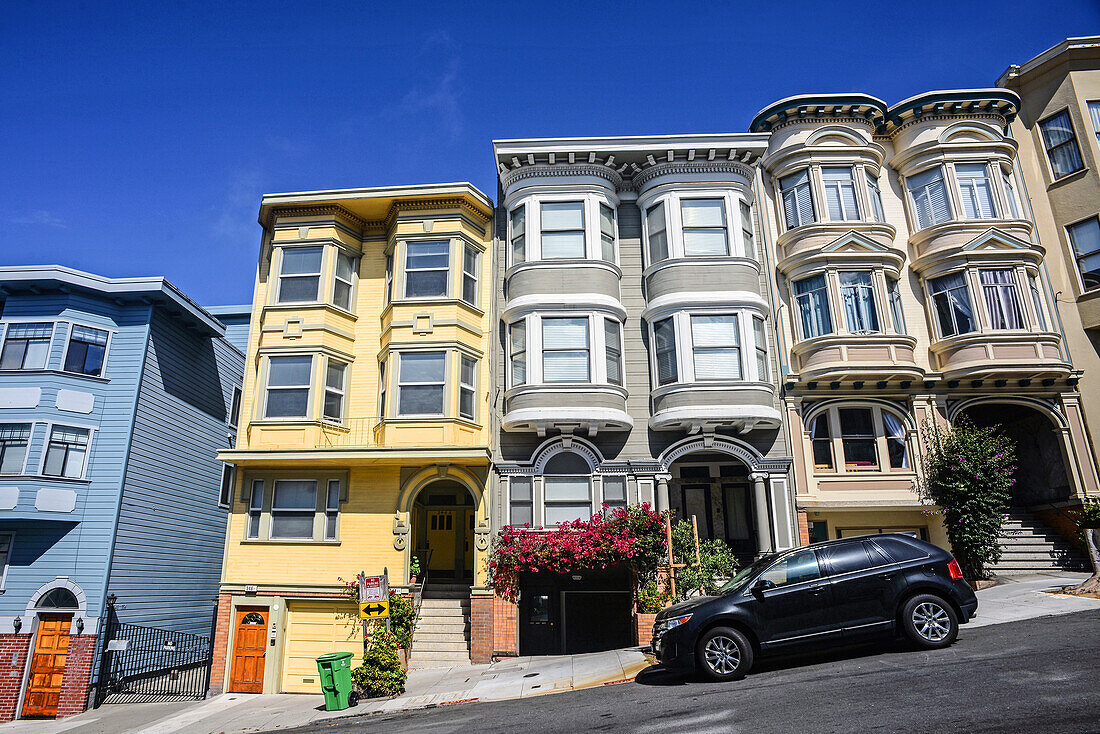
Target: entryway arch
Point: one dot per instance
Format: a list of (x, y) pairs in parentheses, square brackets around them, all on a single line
[(444, 507)]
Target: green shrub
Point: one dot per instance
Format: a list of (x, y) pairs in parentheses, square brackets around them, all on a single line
[(381, 673), (716, 562), (652, 598), (402, 619)]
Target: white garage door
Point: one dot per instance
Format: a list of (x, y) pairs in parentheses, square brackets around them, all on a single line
[(313, 629)]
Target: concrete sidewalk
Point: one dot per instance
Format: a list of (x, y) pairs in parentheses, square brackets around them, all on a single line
[(1013, 599)]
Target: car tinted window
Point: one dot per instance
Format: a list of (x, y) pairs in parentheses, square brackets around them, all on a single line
[(847, 558), (794, 569), (878, 558), (899, 550)]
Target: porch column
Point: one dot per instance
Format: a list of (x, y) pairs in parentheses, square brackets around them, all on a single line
[(760, 512), (662, 492)]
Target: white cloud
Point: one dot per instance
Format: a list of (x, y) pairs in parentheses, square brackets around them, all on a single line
[(39, 217)]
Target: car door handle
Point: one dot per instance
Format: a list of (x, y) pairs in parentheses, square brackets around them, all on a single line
[(888, 576), (816, 590)]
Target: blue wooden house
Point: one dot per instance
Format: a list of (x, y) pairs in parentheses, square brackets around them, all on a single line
[(115, 396)]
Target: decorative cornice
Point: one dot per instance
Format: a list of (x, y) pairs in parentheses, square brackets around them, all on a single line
[(685, 167), (317, 210), (601, 170)]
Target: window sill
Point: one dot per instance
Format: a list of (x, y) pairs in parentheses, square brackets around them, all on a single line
[(42, 478), (61, 373), (398, 420), (562, 263), (277, 541), (1067, 178), (279, 307)]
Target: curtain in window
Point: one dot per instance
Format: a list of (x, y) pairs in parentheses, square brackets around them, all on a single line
[(977, 193), (1094, 115), (896, 310), (895, 440), (1085, 237), (858, 295), (821, 441), (1001, 300), (813, 306), (1061, 144), (1010, 197), (876, 199), (952, 301)]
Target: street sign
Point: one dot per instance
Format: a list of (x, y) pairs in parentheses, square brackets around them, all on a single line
[(374, 609), (373, 588)]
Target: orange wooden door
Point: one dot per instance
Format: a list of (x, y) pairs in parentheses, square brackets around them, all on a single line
[(249, 651), (51, 650)]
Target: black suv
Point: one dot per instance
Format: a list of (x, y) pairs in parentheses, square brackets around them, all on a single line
[(836, 591)]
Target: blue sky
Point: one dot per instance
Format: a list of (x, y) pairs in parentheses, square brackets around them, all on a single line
[(137, 138)]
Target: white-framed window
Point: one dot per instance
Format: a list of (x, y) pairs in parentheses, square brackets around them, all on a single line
[(66, 452), (335, 376), (929, 195), (613, 350), (1060, 143), (1094, 117), (840, 193), (288, 386), (235, 408), (382, 390), (293, 509), (951, 300), (332, 510), (1085, 238), (255, 509), (300, 274), (517, 226), (226, 495), (812, 297), (565, 349), (976, 190), (607, 233), (704, 227), (759, 333), (517, 352), (1002, 298), (467, 390), (1037, 302), (86, 351), (470, 258), (26, 346), (798, 199), (521, 505), (566, 489), (1010, 195), (421, 383), (6, 541), (657, 232), (859, 438), (857, 297), (747, 230), (14, 439), (426, 268), (874, 193), (664, 342), (388, 295), (562, 230), (614, 492), (343, 282), (715, 347), (897, 313)]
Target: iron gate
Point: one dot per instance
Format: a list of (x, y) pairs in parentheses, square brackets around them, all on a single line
[(143, 664)]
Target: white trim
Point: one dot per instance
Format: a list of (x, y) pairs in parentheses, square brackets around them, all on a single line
[(46, 447), (7, 559), (311, 392), (106, 348), (731, 195), (590, 201), (447, 359), (586, 302), (28, 320), (725, 301), (26, 454), (567, 415)]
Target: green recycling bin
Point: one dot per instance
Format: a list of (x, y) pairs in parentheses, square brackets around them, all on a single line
[(335, 670)]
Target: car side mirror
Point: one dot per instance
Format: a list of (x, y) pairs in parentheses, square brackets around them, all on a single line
[(761, 586)]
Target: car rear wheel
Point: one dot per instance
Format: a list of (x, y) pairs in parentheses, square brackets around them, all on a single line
[(929, 621), (724, 654)]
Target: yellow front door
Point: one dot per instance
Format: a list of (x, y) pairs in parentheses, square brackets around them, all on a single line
[(441, 539)]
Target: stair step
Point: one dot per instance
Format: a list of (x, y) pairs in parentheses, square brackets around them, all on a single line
[(431, 606), (1031, 565), (446, 595), (439, 613), (441, 629), (461, 647), (429, 637), (421, 656)]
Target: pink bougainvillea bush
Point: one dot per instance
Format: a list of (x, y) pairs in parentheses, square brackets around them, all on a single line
[(633, 535)]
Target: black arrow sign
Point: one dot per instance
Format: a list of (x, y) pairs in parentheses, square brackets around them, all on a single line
[(375, 608)]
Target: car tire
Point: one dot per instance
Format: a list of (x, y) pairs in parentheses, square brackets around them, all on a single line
[(723, 654), (929, 621)]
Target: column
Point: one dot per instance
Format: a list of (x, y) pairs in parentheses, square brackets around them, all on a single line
[(662, 492), (760, 511)]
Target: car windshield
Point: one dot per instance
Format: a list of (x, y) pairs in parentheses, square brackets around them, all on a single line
[(741, 576)]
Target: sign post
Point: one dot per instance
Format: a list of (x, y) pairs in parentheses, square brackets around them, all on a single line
[(374, 599)]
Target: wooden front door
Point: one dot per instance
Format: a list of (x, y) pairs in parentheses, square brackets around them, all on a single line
[(441, 539), (249, 651), (51, 650)]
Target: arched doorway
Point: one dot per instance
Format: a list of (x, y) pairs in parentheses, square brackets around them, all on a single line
[(443, 519), (1041, 475), (716, 489)]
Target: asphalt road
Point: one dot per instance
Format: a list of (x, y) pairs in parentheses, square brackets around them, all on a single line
[(1039, 675)]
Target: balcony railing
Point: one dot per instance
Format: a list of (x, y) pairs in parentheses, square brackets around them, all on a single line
[(352, 433)]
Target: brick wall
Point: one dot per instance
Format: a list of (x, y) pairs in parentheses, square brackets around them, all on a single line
[(13, 659), (481, 628), (803, 527), (78, 674), (505, 628), (221, 643)]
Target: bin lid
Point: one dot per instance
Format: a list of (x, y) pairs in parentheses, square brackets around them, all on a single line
[(331, 657)]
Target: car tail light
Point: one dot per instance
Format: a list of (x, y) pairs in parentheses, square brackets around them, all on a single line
[(953, 569)]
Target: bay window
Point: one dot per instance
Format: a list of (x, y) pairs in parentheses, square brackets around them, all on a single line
[(421, 382), (26, 346), (857, 295), (343, 280), (897, 313), (875, 195), (517, 222), (300, 274), (288, 387), (869, 438), (951, 299), (929, 195), (1010, 196), (517, 352), (569, 348), (761, 348), (1037, 301), (797, 196), (607, 233), (657, 232), (1002, 301), (812, 298), (976, 190), (334, 391), (664, 339), (298, 508), (470, 258), (66, 452), (85, 352), (467, 390), (715, 346), (14, 438), (565, 345), (704, 227), (1085, 238), (613, 351), (840, 193), (747, 231), (426, 268), (562, 230), (1060, 143)]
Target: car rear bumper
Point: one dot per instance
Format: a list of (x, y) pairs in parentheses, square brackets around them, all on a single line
[(969, 611)]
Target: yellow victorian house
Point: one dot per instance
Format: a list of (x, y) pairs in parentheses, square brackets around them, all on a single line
[(364, 427)]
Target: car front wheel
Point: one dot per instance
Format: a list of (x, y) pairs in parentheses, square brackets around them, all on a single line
[(724, 654), (929, 621)]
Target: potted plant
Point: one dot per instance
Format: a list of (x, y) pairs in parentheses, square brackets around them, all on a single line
[(414, 569), (651, 599)]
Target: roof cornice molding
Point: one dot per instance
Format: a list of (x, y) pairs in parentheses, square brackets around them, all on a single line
[(1082, 47), (693, 167), (550, 170), (849, 107)]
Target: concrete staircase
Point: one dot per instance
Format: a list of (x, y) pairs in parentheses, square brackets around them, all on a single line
[(1029, 546), (442, 635)]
